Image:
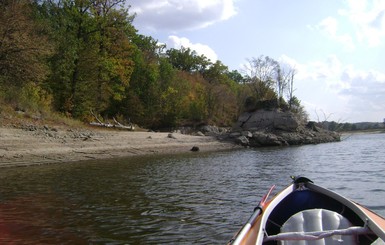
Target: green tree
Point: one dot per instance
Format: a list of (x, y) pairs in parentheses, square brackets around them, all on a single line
[(172, 93), (220, 92), (71, 64), (24, 49), (114, 64), (236, 77), (188, 60), (193, 96), (91, 66), (144, 89), (298, 109)]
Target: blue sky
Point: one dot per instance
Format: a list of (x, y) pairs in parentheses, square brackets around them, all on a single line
[(336, 47)]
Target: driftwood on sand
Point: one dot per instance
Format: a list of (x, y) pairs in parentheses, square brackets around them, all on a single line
[(116, 124)]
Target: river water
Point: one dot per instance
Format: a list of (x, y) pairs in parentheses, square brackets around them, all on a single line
[(201, 198)]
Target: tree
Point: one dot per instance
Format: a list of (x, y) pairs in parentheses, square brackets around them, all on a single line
[(271, 80), (71, 64), (114, 63), (188, 60), (261, 73), (24, 47), (280, 84), (218, 88), (290, 85), (236, 77), (298, 109), (92, 64), (144, 89)]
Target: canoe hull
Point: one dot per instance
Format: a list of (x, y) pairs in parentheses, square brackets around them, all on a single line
[(305, 195)]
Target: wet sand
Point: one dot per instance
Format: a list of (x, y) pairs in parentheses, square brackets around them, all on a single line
[(42, 145)]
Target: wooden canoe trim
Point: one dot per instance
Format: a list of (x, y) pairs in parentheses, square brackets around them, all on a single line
[(380, 221)]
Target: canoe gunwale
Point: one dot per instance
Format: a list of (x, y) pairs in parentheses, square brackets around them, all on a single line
[(359, 215), (358, 209), (270, 208)]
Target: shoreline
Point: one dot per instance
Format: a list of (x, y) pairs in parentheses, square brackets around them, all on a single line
[(34, 145)]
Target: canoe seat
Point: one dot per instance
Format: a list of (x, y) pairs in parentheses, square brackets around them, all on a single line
[(314, 220)]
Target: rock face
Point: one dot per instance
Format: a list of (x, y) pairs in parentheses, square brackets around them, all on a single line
[(261, 119), (276, 128)]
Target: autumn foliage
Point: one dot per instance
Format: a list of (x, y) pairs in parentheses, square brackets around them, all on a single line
[(77, 56)]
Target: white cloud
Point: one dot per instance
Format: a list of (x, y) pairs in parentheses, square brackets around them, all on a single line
[(201, 49), (343, 91), (365, 85), (368, 20), (176, 15), (330, 27), (360, 22), (290, 63), (327, 70)]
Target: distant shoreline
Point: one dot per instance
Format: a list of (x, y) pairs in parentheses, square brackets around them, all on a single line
[(36, 145), (364, 131)]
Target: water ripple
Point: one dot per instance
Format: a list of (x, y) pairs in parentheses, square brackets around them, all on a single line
[(189, 199)]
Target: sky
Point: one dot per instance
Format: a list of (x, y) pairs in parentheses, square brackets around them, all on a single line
[(337, 47)]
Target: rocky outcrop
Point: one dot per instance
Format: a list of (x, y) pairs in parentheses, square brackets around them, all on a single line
[(262, 119), (276, 128), (267, 128)]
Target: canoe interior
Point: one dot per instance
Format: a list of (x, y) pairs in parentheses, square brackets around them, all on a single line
[(307, 199)]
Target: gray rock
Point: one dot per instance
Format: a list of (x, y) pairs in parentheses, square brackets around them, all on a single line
[(195, 148), (263, 119), (265, 139), (234, 134), (171, 136), (242, 140), (286, 122), (199, 133), (275, 128), (247, 134)]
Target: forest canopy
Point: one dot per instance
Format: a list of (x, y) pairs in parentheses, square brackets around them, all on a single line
[(75, 57)]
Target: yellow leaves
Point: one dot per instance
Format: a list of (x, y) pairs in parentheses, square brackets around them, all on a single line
[(34, 98), (168, 99), (170, 91)]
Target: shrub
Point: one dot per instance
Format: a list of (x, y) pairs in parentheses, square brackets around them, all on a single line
[(33, 98)]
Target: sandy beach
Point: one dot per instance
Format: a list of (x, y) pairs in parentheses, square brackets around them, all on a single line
[(33, 145)]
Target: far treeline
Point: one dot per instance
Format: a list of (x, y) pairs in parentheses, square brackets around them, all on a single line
[(361, 126), (81, 58)]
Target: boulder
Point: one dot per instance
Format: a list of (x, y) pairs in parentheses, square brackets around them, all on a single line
[(235, 134), (242, 140), (210, 130), (263, 119), (247, 134), (199, 133), (265, 139), (286, 122), (195, 148), (171, 136)]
